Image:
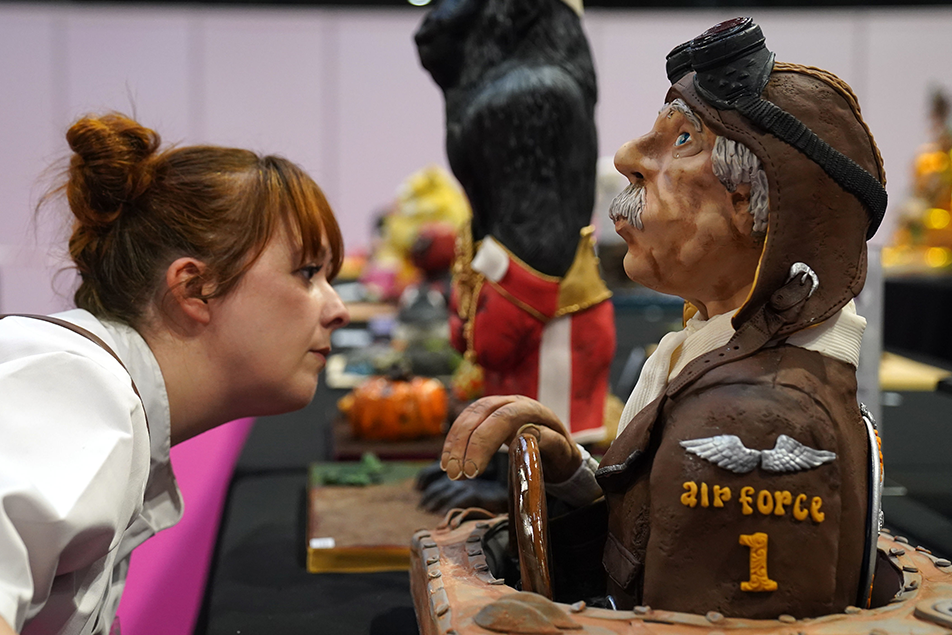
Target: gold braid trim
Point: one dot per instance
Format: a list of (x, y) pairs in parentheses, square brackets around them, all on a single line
[(467, 283), (580, 288), (519, 303)]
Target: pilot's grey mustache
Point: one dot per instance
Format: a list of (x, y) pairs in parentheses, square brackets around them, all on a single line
[(628, 206)]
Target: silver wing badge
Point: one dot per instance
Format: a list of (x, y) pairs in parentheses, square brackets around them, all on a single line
[(728, 451)]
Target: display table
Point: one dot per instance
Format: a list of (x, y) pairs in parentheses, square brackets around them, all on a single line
[(916, 310), (259, 584)]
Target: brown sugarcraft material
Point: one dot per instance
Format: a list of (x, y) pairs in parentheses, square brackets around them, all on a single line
[(776, 389), (661, 551), (386, 514), (370, 526), (455, 592)]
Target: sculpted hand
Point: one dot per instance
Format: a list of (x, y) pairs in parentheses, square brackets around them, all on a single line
[(488, 423)]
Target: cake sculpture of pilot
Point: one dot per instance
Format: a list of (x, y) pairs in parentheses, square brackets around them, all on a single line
[(531, 311), (745, 477)]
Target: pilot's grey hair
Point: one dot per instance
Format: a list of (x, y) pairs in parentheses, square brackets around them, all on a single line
[(735, 164)]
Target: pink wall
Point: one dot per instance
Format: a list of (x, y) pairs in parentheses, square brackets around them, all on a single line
[(342, 93)]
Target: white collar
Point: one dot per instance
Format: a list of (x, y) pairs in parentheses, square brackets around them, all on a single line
[(839, 337)]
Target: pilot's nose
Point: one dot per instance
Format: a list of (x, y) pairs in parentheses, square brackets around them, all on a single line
[(637, 158)]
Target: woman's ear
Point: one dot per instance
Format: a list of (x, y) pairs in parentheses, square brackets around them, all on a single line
[(741, 217), (187, 286)]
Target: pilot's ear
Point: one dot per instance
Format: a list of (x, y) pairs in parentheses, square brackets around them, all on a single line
[(741, 218)]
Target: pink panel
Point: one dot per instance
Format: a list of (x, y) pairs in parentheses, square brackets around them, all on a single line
[(167, 575), (389, 110), (908, 52), (132, 59), (264, 86)]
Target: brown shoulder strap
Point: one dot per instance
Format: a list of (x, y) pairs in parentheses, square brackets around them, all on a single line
[(93, 338)]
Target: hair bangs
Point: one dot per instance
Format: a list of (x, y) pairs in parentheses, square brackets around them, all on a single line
[(308, 215)]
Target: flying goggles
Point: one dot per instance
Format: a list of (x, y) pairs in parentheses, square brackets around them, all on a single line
[(732, 66)]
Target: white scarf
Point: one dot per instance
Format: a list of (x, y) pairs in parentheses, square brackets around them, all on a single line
[(838, 337)]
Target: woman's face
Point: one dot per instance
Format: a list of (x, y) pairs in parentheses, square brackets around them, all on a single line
[(272, 333)]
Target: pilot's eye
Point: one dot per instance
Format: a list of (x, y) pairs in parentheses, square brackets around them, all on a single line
[(682, 139)]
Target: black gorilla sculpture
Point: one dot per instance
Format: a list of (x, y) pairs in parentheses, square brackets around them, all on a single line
[(520, 93)]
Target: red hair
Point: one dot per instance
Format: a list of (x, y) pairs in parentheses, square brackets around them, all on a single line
[(137, 209)]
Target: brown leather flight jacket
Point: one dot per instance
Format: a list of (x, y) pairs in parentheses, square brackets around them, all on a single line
[(688, 535)]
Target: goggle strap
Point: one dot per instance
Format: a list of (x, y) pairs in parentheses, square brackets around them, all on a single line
[(844, 171)]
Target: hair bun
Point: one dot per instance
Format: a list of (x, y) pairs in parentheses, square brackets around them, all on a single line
[(111, 168)]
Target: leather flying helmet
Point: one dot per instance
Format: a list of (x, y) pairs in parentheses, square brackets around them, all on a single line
[(824, 171)]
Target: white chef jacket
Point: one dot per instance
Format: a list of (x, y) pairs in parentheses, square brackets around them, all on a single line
[(83, 481)]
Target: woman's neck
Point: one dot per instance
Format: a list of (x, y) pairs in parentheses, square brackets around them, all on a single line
[(196, 401)]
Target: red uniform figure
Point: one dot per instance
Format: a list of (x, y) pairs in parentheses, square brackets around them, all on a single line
[(545, 337)]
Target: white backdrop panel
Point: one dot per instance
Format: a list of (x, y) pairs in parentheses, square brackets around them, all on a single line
[(263, 75), (391, 114), (341, 92), (29, 139), (129, 59), (909, 52), (28, 126)]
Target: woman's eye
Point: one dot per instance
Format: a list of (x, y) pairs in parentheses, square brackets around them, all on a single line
[(309, 271), (683, 138)]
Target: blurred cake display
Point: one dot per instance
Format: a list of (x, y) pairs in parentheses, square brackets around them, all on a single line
[(922, 240), (396, 408), (414, 237)]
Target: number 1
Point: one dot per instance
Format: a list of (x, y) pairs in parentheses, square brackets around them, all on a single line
[(758, 563)]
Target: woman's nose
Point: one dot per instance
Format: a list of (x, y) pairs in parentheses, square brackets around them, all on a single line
[(634, 159), (335, 314)]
